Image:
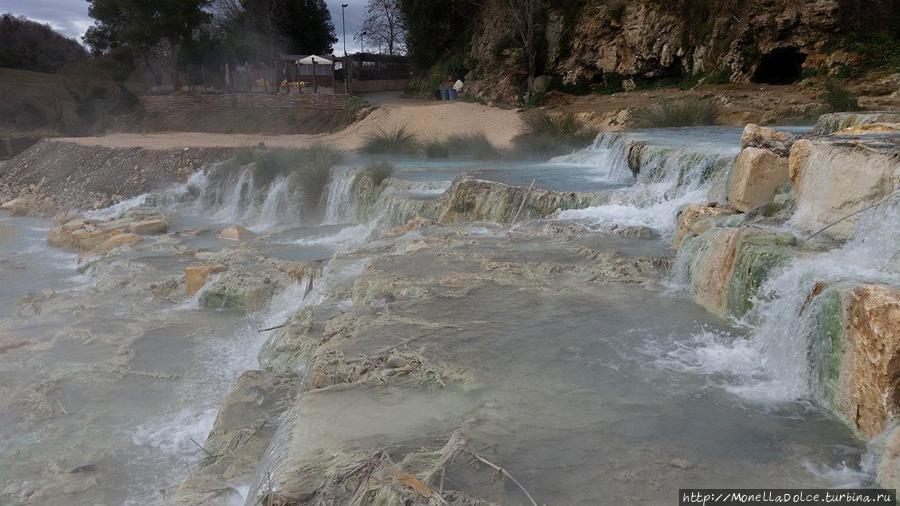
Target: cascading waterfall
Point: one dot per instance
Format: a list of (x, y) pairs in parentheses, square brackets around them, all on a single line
[(234, 203), (238, 198), (608, 153), (669, 176), (776, 363), (275, 205), (273, 459), (780, 338), (338, 205)]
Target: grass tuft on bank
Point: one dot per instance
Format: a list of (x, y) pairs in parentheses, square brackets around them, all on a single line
[(474, 145), (550, 134), (839, 99), (396, 141), (677, 113)]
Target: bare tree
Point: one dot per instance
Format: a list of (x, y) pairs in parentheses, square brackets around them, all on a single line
[(383, 29), (226, 11), (524, 15)]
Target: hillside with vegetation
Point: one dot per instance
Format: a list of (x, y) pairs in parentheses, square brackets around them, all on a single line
[(516, 51), (29, 45)]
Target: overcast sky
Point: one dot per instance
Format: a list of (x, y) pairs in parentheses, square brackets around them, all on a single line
[(70, 17)]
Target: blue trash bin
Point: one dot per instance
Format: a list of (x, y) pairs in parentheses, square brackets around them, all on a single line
[(452, 93), (445, 94)]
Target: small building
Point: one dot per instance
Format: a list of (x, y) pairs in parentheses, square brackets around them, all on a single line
[(315, 71), (372, 72)]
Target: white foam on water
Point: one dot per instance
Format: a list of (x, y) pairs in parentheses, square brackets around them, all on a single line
[(845, 475), (337, 205), (172, 434), (343, 238), (116, 209), (274, 208), (607, 156), (657, 215), (671, 175), (772, 364), (175, 435)]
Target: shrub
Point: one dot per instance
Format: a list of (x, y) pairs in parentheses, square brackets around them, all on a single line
[(434, 148), (474, 145), (718, 76), (309, 169), (471, 97), (380, 171), (548, 134), (396, 141), (243, 156), (677, 113), (471, 145), (839, 99), (312, 179), (350, 109), (612, 83)]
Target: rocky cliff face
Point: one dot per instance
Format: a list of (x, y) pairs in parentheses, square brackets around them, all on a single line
[(614, 44)]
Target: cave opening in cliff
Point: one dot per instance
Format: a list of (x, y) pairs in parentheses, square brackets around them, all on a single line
[(783, 65)]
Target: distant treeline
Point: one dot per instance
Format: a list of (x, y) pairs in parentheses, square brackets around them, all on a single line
[(29, 45)]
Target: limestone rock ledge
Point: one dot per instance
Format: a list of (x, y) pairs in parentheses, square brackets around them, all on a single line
[(392, 390), (835, 177), (855, 352), (725, 266), (96, 236)]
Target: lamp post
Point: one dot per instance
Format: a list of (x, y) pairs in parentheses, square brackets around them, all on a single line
[(344, 27), (315, 84), (344, 40)]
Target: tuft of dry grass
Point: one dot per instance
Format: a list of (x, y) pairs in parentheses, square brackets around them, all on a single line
[(474, 145), (677, 113), (398, 141), (549, 134)]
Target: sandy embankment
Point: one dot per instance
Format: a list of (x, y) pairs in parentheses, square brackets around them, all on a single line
[(425, 119)]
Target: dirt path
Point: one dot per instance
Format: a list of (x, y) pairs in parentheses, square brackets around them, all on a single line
[(425, 119)]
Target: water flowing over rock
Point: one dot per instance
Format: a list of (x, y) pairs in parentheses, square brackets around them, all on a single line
[(236, 233), (693, 221), (835, 122), (195, 276), (661, 177), (834, 179), (477, 200), (395, 331), (728, 266)]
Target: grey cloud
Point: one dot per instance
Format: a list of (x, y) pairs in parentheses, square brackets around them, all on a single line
[(70, 17)]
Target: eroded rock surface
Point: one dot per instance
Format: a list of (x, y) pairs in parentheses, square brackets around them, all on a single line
[(835, 178), (394, 389), (756, 176), (857, 352)]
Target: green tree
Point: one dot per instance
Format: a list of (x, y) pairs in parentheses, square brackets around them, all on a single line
[(148, 30), (435, 30), (262, 29), (28, 45)]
